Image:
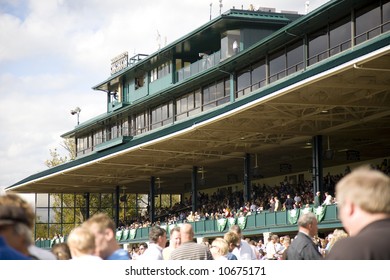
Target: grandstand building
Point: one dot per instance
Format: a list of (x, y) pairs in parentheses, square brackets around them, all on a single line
[(251, 97)]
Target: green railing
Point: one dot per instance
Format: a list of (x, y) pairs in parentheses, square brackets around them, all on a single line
[(254, 224)]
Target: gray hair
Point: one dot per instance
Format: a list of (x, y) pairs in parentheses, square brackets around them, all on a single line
[(306, 219)]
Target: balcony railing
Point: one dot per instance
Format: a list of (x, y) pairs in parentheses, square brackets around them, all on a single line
[(205, 63), (254, 224)]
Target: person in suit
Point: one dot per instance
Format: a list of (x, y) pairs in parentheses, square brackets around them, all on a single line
[(303, 247), (363, 198), (317, 199)]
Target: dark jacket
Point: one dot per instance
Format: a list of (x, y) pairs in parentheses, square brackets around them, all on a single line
[(303, 248), (371, 243)]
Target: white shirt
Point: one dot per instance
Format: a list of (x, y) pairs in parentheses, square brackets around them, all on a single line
[(245, 252), (154, 252)]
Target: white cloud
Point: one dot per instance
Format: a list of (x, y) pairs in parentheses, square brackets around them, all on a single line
[(53, 52)]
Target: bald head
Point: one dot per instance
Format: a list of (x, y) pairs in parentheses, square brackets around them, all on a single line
[(187, 233)]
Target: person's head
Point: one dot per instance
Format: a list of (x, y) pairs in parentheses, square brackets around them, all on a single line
[(158, 236), (219, 248), (308, 224), (142, 247), (81, 241), (61, 251), (363, 196), (232, 239), (186, 233), (16, 222), (286, 241), (174, 237), (336, 236), (237, 230), (103, 228), (274, 238)]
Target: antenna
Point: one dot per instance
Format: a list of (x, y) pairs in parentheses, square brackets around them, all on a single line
[(211, 5), (220, 6), (158, 39)]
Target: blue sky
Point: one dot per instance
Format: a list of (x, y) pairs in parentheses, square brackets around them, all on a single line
[(52, 52)]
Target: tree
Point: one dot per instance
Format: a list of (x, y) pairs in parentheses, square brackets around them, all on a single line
[(70, 146)]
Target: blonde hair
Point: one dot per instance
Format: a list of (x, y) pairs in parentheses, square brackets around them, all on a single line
[(103, 222), (82, 240), (222, 245), (367, 188), (337, 235)]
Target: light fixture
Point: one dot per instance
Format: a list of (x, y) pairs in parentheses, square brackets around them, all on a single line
[(202, 180), (256, 169), (77, 111)]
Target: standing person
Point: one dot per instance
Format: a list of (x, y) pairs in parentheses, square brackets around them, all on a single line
[(244, 251), (289, 203), (286, 244), (103, 227), (17, 226), (190, 250), (272, 248), (317, 199), (174, 242), (328, 199), (12, 243), (81, 242), (233, 240), (303, 247), (219, 249), (363, 198), (157, 242), (278, 205)]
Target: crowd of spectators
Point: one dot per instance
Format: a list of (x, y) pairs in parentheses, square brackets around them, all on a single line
[(225, 203)]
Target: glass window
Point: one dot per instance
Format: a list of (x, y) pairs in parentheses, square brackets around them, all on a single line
[(94, 199), (68, 215), (139, 81), (55, 200), (243, 82), (277, 66), (318, 46), (54, 229), (68, 200), (41, 231), (55, 215), (42, 215), (367, 23), (258, 75), (294, 58), (80, 200), (42, 200), (386, 16), (141, 123), (340, 36), (106, 200)]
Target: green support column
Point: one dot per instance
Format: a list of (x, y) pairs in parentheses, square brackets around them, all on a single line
[(194, 188), (151, 199), (116, 214), (247, 178), (317, 165), (232, 87)]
